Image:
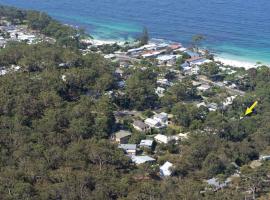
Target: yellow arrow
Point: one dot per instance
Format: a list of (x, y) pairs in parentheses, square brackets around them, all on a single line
[(250, 109)]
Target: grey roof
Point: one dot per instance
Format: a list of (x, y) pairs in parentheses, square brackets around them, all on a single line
[(128, 146), (122, 134), (140, 124)]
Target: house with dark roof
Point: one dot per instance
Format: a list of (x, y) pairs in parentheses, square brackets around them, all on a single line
[(140, 126), (122, 136), (129, 149)]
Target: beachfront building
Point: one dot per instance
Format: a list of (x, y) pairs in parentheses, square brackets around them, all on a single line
[(166, 169), (140, 126), (129, 149), (197, 61), (122, 137)]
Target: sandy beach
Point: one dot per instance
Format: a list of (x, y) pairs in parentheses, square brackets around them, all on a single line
[(236, 63)]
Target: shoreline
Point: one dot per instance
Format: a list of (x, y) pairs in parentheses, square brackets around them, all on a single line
[(235, 63), (217, 57)]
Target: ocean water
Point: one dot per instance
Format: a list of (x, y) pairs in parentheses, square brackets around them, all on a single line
[(234, 29)]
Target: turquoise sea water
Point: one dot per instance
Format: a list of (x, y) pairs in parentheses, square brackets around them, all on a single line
[(235, 29)]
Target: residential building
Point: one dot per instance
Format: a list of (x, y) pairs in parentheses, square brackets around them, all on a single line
[(122, 137), (153, 123), (141, 126), (162, 118), (264, 157), (166, 169), (129, 149), (204, 87), (164, 82), (160, 91), (146, 143), (212, 107), (167, 59), (159, 138), (142, 159)]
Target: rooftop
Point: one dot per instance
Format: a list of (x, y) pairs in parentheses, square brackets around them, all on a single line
[(122, 134), (128, 146), (146, 143), (140, 124), (142, 159)]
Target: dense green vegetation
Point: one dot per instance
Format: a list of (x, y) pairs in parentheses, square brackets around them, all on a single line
[(56, 122), (65, 35)]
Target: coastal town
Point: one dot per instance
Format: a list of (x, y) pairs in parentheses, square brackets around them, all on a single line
[(175, 63), (187, 82)]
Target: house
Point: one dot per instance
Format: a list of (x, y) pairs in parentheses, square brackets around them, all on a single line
[(160, 91), (175, 46), (122, 137), (167, 59), (153, 123), (166, 169), (197, 61), (129, 149), (212, 107), (162, 139), (146, 143), (201, 104), (142, 159), (229, 101), (151, 54), (109, 56), (216, 184), (204, 87), (264, 157), (141, 126), (164, 82), (192, 54), (162, 118)]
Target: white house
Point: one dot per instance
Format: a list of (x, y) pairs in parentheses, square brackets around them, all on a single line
[(212, 106), (229, 101), (162, 139), (153, 123), (197, 61), (142, 159), (264, 157), (167, 59), (164, 82), (162, 118), (204, 87), (160, 91), (166, 169), (146, 143)]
